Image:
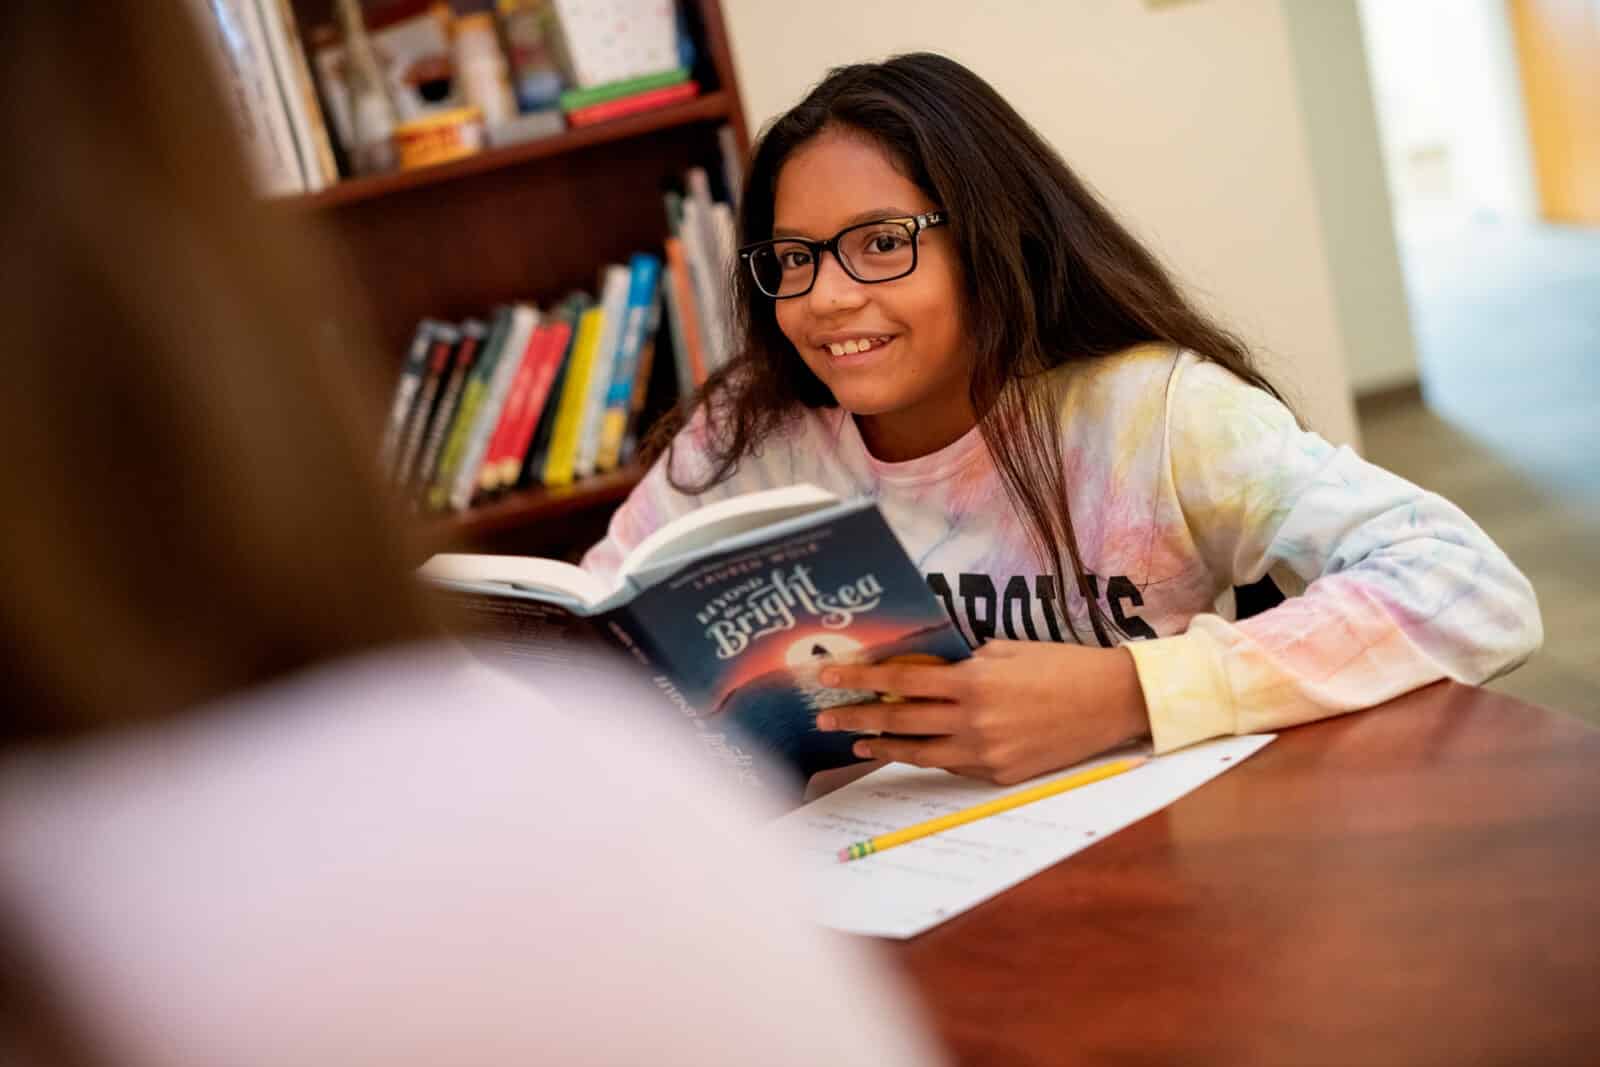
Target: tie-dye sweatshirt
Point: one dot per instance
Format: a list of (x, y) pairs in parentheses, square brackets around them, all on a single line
[(1184, 483)]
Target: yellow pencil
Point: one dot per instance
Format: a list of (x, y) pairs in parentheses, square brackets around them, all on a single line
[(992, 807)]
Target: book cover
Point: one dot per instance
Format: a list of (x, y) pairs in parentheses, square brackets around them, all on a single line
[(644, 276), (561, 465), (469, 353), (633, 105), (445, 339), (732, 612), (405, 395), (611, 40)]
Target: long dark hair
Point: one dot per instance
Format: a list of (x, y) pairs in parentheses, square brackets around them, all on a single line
[(1051, 277)]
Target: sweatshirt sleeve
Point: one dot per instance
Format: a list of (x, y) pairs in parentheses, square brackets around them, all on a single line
[(654, 502), (1400, 588)]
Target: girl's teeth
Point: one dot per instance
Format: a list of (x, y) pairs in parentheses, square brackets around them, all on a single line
[(851, 348)]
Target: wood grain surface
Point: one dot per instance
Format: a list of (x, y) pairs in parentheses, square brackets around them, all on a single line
[(1415, 884)]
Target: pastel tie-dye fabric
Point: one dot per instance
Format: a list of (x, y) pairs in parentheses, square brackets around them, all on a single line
[(1184, 483)]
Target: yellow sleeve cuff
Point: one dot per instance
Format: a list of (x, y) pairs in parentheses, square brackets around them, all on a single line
[(1186, 690)]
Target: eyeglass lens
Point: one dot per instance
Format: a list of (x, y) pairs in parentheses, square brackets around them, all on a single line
[(871, 252)]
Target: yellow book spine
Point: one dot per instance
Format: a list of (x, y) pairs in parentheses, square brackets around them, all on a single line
[(563, 459), (611, 432)]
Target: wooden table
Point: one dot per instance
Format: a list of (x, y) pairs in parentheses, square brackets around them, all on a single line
[(1419, 883)]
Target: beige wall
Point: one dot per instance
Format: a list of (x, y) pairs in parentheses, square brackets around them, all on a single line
[(1346, 152), (1184, 116)]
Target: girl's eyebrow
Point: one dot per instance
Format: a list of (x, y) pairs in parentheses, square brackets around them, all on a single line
[(862, 216)]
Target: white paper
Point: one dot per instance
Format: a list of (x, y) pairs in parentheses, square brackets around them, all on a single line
[(905, 890)]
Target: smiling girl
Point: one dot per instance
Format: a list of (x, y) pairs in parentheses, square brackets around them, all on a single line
[(1115, 507)]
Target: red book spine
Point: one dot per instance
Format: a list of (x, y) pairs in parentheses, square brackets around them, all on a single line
[(556, 336), (633, 105), (510, 415)]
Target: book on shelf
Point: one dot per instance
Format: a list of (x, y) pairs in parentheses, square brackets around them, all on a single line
[(616, 281), (560, 466), (405, 395), (577, 99), (317, 167), (732, 611), (469, 352), (638, 316), (236, 42), (618, 39), (456, 488), (636, 104), (444, 341), (528, 389)]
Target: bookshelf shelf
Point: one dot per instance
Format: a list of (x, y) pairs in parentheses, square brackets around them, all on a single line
[(541, 505), (711, 107)]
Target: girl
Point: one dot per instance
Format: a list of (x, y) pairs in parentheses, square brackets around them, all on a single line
[(1094, 478)]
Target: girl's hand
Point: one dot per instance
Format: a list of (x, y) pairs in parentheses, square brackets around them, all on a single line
[(1015, 710)]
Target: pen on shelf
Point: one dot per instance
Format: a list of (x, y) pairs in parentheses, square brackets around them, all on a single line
[(992, 807)]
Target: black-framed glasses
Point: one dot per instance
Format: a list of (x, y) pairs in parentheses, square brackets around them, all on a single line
[(877, 251)]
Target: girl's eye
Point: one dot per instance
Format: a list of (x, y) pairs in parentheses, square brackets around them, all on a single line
[(794, 259), (887, 242)]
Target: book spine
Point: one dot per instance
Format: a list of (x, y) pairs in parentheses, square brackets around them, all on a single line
[(498, 384), (472, 394), (696, 253), (319, 150), (511, 414), (560, 466), (614, 299), (240, 60), (574, 99), (553, 340), (444, 419), (445, 339), (633, 105), (641, 381), (685, 303), (538, 454), (644, 277), (405, 396)]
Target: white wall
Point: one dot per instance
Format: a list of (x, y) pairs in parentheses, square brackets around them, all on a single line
[(1184, 116), (1450, 107), (1334, 89)]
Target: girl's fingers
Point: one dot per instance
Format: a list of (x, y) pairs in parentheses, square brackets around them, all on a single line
[(938, 752), (907, 680), (925, 720)]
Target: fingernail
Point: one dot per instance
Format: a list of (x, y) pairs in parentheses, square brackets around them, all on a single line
[(829, 677), (860, 748), (826, 722)]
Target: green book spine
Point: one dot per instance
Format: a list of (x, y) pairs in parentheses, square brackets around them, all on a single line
[(573, 99), (466, 413)]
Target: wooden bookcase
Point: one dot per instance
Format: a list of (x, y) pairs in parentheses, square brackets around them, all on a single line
[(527, 222)]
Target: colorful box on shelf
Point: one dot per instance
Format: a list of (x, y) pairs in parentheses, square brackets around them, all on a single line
[(439, 138), (612, 40)]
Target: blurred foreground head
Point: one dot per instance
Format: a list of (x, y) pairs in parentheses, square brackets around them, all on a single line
[(186, 438)]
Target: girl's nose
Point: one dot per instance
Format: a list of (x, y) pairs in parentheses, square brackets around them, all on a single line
[(834, 289)]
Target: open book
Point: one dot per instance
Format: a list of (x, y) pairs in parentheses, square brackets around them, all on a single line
[(733, 610)]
